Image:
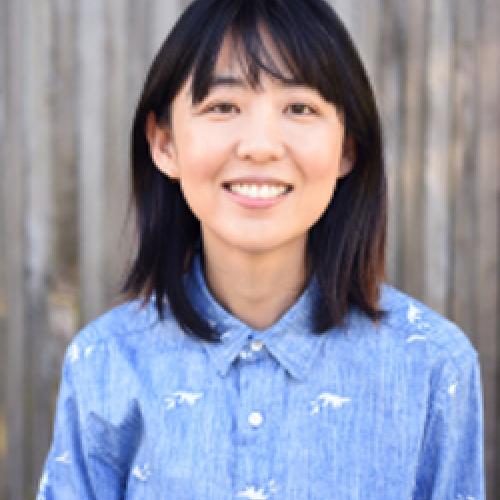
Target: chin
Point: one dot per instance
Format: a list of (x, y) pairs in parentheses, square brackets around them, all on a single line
[(261, 245)]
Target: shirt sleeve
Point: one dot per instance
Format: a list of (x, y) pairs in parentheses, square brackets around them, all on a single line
[(451, 464), (74, 467)]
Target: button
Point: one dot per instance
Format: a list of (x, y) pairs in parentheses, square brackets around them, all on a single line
[(255, 419), (245, 354), (256, 345)]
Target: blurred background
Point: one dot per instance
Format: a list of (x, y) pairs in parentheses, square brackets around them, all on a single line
[(70, 77)]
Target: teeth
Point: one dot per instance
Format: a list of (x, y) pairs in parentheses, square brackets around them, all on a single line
[(254, 191)]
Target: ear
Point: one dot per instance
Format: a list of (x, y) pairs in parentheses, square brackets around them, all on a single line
[(161, 147), (348, 155)]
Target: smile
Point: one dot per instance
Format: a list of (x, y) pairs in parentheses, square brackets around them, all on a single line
[(254, 196), (263, 191)]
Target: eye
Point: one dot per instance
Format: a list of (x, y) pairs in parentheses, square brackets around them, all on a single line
[(223, 108), (300, 108)]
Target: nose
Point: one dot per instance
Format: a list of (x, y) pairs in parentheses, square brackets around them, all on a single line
[(260, 138)]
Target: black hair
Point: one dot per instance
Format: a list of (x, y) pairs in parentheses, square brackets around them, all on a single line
[(346, 246)]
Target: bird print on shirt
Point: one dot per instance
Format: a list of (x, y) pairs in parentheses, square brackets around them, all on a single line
[(182, 397), (252, 493), (326, 399), (142, 473)]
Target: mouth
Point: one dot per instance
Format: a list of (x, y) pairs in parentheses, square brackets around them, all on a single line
[(258, 191)]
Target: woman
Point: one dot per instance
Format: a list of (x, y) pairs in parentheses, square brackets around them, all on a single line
[(260, 354)]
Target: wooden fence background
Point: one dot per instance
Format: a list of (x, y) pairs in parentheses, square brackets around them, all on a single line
[(70, 75)]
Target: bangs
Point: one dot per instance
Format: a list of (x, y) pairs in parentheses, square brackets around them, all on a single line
[(254, 29)]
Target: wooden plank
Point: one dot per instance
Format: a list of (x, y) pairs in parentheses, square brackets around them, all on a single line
[(367, 34), (38, 109), (14, 203), (116, 128), (139, 46), (65, 185), (463, 299), (3, 271), (415, 14), (437, 158), (487, 195), (91, 154), (64, 296), (390, 99)]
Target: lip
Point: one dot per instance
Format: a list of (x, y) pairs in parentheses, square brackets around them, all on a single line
[(249, 202), (258, 181)]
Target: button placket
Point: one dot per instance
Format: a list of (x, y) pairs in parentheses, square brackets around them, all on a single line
[(255, 420), (251, 411), (251, 427)]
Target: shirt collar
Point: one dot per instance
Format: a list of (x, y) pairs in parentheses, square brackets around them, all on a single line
[(290, 340)]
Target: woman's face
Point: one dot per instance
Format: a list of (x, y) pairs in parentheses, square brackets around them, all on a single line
[(236, 151)]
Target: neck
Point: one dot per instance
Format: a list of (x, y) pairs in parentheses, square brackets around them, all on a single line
[(256, 287)]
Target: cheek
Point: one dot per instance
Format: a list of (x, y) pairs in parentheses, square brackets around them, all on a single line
[(199, 200), (201, 155), (320, 171), (322, 152), (322, 165)]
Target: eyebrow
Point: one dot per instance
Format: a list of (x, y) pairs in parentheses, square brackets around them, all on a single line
[(232, 81)]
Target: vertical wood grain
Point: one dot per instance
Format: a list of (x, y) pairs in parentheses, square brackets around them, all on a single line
[(390, 92), (14, 207), (367, 31), (65, 144), (487, 194), (91, 155), (437, 158), (37, 122), (3, 262), (116, 154), (463, 149), (416, 16), (139, 46)]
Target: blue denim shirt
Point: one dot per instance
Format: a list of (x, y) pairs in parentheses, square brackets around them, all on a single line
[(387, 412)]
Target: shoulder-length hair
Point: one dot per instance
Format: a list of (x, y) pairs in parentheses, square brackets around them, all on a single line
[(346, 247)]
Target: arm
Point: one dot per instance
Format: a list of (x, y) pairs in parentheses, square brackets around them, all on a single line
[(89, 457), (451, 464), (65, 473)]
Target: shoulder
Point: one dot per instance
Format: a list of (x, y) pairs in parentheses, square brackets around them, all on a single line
[(127, 318), (130, 322), (112, 353), (413, 321), (418, 339), (426, 339)]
